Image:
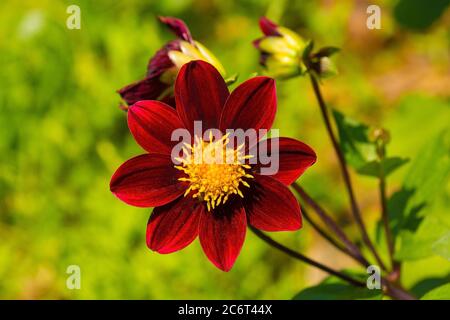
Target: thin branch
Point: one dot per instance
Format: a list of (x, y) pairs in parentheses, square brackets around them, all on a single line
[(342, 163), (305, 259), (387, 228), (396, 292), (390, 289), (323, 233), (332, 225), (385, 217)]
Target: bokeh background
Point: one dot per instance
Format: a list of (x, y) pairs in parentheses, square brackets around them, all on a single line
[(62, 136)]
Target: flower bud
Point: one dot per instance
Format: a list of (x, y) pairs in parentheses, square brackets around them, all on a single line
[(380, 135), (164, 66), (281, 50), (195, 51), (381, 138)]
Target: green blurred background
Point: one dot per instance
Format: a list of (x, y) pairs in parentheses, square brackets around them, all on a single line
[(62, 136)]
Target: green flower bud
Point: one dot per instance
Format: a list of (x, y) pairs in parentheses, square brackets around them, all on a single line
[(281, 50)]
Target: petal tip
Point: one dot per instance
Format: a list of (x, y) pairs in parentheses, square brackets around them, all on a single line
[(224, 266), (177, 26), (268, 27)]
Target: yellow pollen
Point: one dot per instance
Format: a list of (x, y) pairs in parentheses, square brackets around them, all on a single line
[(214, 170)]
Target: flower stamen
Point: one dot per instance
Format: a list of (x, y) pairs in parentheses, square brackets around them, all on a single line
[(214, 170)]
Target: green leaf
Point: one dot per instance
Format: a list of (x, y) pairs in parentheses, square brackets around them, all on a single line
[(424, 182), (421, 243), (232, 79), (354, 141), (429, 172), (423, 233), (419, 14), (440, 293), (359, 151), (442, 246), (326, 52), (333, 288), (306, 55), (388, 165), (429, 280)]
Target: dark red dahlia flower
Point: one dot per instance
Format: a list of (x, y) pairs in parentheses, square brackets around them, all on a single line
[(213, 200), (163, 67)]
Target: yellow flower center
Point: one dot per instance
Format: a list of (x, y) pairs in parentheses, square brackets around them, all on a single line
[(214, 170)]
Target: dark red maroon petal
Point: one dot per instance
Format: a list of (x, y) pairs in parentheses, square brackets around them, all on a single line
[(161, 62), (263, 58), (268, 27), (271, 206), (174, 225), (151, 88), (263, 55), (169, 100), (146, 89), (148, 180), (252, 105), (294, 157), (200, 94), (256, 42), (152, 124), (178, 27), (222, 234)]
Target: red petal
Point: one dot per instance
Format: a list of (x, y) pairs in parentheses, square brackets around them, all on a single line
[(148, 180), (268, 27), (174, 226), (178, 27), (152, 124), (161, 62), (252, 105), (200, 94), (271, 206), (147, 89), (222, 234), (294, 158), (256, 42)]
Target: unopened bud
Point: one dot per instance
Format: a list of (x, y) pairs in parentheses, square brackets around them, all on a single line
[(277, 45), (179, 58), (196, 51), (292, 38), (281, 50), (380, 135), (210, 57)]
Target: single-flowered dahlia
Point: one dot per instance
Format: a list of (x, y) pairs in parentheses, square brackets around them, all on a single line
[(197, 193), (163, 67)]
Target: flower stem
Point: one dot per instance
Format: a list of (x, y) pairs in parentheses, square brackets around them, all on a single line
[(325, 235), (395, 292), (342, 163), (387, 228), (305, 259), (332, 225)]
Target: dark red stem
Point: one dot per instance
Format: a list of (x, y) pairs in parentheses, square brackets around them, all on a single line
[(342, 163), (331, 224)]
